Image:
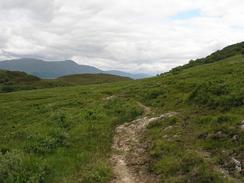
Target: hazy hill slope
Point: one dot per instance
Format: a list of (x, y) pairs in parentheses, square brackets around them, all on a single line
[(91, 78), (54, 69), (125, 74), (45, 69), (15, 81)]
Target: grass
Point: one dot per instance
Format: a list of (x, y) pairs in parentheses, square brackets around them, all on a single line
[(86, 79), (209, 100), (11, 81), (43, 130)]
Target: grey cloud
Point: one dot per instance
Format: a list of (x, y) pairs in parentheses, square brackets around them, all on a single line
[(128, 35), (39, 9)]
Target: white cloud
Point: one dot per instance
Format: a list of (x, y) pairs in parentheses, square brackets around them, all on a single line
[(131, 35)]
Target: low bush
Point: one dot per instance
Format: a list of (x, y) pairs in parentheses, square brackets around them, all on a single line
[(46, 144), (100, 174), (216, 95), (15, 167), (8, 88), (60, 119)]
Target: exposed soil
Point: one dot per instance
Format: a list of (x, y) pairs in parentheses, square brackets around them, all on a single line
[(129, 158)]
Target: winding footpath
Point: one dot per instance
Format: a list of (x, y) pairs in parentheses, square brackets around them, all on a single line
[(129, 158)]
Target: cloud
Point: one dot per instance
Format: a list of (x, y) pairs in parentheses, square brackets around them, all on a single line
[(132, 35)]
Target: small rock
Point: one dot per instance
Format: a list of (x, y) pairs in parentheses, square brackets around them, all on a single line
[(167, 128), (109, 97), (165, 136), (237, 165), (242, 125), (235, 137), (219, 135), (153, 119), (203, 135)]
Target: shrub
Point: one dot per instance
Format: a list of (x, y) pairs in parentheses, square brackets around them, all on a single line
[(216, 95), (8, 88), (60, 119), (123, 110), (242, 51), (189, 162), (202, 174), (100, 174), (14, 167), (46, 144)]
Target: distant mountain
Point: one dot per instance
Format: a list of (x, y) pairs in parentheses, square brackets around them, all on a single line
[(55, 69), (126, 74), (46, 69)]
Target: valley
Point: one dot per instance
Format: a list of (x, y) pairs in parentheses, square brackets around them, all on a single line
[(71, 133)]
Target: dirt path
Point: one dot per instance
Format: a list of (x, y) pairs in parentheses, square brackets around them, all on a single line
[(129, 158)]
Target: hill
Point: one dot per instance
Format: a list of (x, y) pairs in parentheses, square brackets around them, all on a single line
[(91, 78), (232, 50), (11, 81), (126, 74), (15, 80), (43, 130), (14, 77), (45, 69), (55, 69)]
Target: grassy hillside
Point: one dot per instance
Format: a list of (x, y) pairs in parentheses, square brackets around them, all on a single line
[(229, 51), (11, 81), (9, 77), (43, 130), (14, 80), (91, 78), (205, 136)]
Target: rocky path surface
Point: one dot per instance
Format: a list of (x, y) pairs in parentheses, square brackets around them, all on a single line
[(129, 158)]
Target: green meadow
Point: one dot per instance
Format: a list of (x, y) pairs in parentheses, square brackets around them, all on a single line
[(64, 134)]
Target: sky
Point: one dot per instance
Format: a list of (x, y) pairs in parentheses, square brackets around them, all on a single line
[(149, 36)]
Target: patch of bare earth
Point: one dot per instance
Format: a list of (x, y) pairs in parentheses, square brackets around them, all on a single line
[(129, 158)]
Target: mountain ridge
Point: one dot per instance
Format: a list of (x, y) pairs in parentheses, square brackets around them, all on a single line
[(54, 69)]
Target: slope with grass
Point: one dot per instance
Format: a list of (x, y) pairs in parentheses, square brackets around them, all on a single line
[(42, 130), (86, 79), (204, 142), (219, 55), (14, 80), (11, 81)]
